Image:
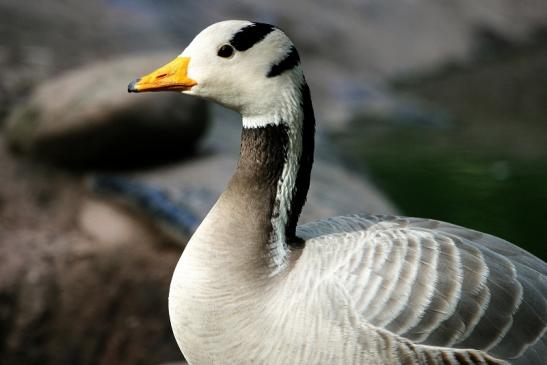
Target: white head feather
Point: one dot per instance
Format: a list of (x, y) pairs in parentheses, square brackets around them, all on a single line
[(240, 82)]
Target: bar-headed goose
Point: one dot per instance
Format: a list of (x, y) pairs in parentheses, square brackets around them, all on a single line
[(253, 288)]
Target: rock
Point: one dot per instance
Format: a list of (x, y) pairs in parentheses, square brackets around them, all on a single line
[(86, 118), (340, 41), (67, 297), (375, 102), (117, 227)]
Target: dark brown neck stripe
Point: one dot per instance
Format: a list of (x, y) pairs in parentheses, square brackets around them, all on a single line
[(264, 153), (262, 157)]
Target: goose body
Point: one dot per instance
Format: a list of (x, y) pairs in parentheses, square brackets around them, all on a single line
[(252, 287)]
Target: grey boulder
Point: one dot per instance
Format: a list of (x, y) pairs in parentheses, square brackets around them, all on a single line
[(86, 118)]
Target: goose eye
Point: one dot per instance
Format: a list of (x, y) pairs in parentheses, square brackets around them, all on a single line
[(225, 51)]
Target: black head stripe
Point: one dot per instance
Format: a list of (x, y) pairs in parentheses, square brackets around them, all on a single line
[(250, 35), (289, 62)]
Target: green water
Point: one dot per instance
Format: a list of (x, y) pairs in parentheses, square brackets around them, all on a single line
[(493, 193), (488, 169)]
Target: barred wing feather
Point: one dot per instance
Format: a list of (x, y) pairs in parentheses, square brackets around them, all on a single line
[(436, 284)]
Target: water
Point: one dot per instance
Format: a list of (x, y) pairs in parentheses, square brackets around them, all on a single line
[(498, 194), (487, 170)]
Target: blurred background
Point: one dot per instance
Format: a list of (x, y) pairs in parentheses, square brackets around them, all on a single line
[(425, 108)]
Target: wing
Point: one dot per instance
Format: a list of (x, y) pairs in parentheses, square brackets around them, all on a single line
[(438, 284)]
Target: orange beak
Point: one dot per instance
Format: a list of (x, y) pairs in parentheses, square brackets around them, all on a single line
[(173, 76)]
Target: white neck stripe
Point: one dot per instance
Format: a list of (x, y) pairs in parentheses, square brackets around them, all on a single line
[(293, 116), (261, 121)]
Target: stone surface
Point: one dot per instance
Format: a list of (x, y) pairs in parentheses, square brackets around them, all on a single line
[(40, 41), (86, 118), (67, 297), (344, 45)]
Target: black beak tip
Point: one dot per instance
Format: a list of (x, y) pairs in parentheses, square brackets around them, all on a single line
[(131, 88)]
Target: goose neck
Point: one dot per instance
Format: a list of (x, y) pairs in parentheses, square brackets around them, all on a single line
[(273, 172)]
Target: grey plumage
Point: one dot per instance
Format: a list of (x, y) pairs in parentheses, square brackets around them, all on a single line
[(441, 284)]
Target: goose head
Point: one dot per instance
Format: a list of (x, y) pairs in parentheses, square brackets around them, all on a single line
[(254, 69), (245, 66)]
